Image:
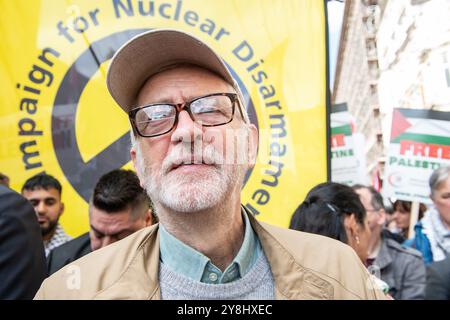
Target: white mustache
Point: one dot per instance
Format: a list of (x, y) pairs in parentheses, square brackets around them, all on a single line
[(183, 154)]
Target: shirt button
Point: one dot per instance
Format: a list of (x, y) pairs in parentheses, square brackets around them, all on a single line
[(212, 277)]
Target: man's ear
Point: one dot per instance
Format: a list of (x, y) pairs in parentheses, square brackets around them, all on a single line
[(382, 217), (136, 166), (61, 209), (253, 142), (133, 157)]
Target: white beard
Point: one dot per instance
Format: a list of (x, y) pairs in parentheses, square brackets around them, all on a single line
[(191, 192)]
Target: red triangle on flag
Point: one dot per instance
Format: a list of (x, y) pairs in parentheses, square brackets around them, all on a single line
[(399, 124)]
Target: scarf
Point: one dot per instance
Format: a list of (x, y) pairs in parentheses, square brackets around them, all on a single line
[(437, 233)]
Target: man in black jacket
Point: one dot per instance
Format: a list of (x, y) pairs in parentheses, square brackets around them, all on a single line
[(22, 259), (68, 252), (118, 207), (438, 280)]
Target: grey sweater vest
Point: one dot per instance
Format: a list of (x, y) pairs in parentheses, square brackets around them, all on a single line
[(257, 284)]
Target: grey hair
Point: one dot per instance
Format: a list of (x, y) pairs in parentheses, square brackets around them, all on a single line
[(437, 177), (376, 199)]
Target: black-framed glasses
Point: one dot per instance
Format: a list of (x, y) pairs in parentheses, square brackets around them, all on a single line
[(211, 110)]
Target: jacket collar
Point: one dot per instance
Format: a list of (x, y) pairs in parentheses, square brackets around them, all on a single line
[(292, 280), (195, 265), (384, 257), (140, 280)]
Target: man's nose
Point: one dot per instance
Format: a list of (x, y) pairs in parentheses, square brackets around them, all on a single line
[(106, 240), (40, 207), (186, 130)]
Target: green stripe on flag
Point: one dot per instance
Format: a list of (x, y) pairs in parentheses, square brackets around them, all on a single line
[(425, 138), (345, 130)]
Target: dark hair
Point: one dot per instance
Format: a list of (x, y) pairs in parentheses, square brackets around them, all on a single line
[(325, 208), (119, 190), (376, 200), (389, 206), (42, 181), (406, 207), (4, 180)]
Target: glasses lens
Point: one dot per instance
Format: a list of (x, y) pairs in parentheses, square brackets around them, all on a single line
[(155, 119), (212, 110)]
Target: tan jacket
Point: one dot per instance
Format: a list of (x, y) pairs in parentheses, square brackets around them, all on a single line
[(304, 266)]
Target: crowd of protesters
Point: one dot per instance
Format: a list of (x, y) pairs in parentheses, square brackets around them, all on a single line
[(118, 207), (415, 268)]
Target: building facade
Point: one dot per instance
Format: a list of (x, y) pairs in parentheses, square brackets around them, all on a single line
[(393, 54), (357, 72), (414, 57)]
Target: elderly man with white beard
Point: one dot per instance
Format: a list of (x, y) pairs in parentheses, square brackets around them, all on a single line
[(192, 144)]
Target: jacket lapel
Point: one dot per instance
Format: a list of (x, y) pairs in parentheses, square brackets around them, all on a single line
[(384, 257), (140, 279), (292, 280)]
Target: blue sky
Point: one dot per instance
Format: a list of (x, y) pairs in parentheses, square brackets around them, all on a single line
[(335, 15)]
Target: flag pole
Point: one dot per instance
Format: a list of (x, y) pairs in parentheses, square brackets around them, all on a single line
[(414, 216)]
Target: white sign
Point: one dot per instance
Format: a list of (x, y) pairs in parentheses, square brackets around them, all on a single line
[(348, 163), (420, 143)]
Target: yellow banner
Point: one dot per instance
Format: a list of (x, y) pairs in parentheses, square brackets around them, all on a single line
[(57, 116)]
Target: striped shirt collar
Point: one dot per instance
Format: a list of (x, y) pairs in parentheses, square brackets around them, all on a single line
[(58, 238)]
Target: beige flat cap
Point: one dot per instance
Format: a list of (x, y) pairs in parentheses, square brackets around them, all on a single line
[(151, 52)]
